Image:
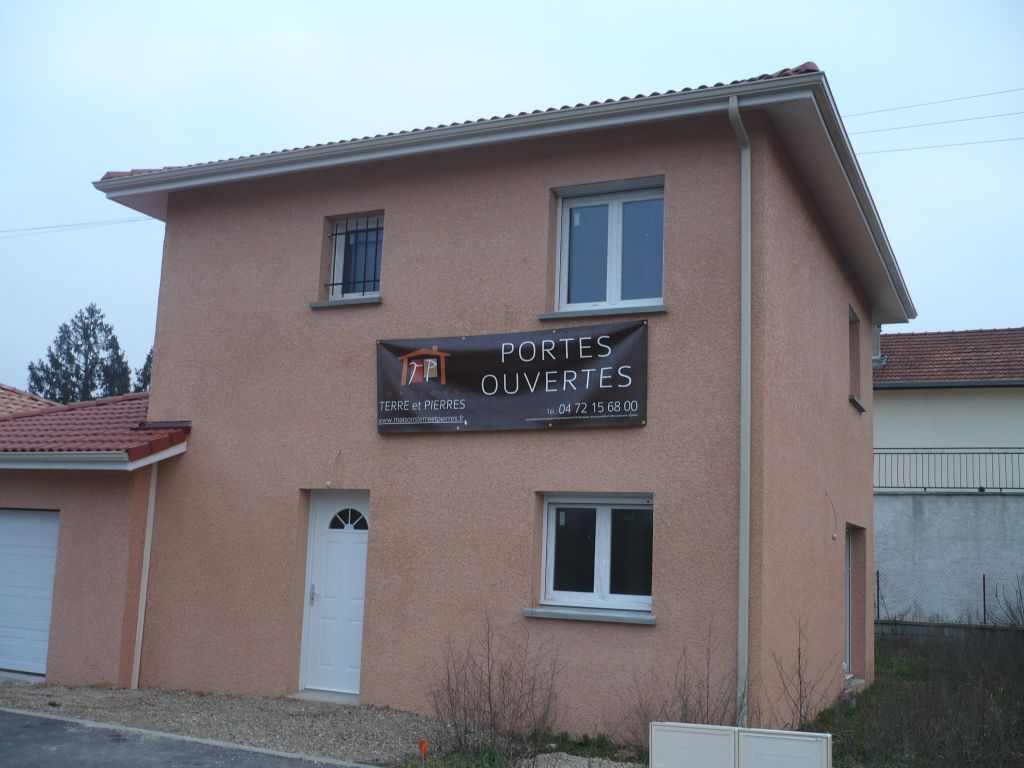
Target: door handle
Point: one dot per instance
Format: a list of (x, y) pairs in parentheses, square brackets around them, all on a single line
[(313, 594)]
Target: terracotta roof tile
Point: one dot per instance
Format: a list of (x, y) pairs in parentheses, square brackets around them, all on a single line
[(805, 68), (13, 399), (995, 354), (109, 424)]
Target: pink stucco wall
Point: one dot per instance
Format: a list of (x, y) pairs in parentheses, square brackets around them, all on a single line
[(99, 556), (812, 447), (282, 400)]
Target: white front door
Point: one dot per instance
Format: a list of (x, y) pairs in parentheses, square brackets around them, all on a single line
[(28, 555), (335, 583)]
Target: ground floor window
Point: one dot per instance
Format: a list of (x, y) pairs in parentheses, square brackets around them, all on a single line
[(598, 551)]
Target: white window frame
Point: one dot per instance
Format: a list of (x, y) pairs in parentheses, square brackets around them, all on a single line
[(601, 597), (613, 284), (338, 260)]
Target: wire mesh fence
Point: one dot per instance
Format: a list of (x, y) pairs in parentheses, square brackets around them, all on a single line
[(950, 597)]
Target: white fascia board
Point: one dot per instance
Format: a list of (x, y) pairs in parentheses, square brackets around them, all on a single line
[(618, 113), (116, 461), (153, 458), (848, 159), (853, 210), (148, 193)]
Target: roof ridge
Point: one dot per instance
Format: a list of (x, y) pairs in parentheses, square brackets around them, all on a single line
[(61, 408)]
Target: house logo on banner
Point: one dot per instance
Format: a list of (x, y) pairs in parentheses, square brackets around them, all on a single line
[(424, 366)]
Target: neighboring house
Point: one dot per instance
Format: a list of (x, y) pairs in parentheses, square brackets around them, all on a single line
[(13, 400), (949, 473), (634, 339)]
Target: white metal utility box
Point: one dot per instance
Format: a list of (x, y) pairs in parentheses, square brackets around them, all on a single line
[(680, 745)]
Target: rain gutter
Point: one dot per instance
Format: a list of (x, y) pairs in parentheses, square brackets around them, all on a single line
[(743, 596)]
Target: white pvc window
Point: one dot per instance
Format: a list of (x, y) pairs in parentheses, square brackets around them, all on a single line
[(611, 250), (598, 551)]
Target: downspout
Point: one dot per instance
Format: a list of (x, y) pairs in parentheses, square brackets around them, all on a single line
[(743, 597), (147, 547)]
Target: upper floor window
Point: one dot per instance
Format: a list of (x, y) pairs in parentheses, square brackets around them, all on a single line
[(358, 248), (611, 252)]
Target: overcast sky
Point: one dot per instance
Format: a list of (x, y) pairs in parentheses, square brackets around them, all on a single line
[(88, 87)]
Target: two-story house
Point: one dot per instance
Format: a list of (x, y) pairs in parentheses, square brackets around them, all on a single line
[(601, 373)]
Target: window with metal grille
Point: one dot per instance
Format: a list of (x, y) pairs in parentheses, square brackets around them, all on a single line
[(358, 248)]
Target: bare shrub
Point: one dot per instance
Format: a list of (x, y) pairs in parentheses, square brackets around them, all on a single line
[(695, 694), (495, 695), (803, 693), (1010, 605)]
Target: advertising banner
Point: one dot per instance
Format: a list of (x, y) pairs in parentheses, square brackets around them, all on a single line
[(587, 376)]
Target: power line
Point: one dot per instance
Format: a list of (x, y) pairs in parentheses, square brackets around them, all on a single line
[(939, 146), (6, 234), (940, 122), (929, 103), (76, 224)]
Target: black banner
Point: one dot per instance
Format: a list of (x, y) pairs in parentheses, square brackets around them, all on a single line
[(588, 376)]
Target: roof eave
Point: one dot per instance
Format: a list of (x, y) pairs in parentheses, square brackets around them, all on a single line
[(950, 384), (125, 189), (854, 207), (810, 127), (851, 166), (116, 461)]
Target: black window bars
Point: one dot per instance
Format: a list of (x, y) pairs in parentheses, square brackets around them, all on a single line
[(358, 248)]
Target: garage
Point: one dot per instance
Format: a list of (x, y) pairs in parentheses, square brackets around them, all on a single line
[(90, 470), (28, 556)]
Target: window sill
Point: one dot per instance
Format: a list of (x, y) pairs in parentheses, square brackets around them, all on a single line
[(589, 614), (603, 312), (856, 403), (344, 302)]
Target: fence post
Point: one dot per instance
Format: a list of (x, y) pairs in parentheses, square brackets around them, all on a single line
[(878, 596), (984, 601)]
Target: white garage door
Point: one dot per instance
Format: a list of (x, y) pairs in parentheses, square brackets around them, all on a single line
[(28, 554)]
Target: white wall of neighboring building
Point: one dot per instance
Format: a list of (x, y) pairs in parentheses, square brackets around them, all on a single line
[(949, 418)]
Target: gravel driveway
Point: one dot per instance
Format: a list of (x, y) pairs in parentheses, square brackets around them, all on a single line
[(361, 734)]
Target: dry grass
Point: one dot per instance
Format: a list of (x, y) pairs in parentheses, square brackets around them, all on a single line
[(936, 703)]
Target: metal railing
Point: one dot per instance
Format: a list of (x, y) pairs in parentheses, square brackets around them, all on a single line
[(949, 469)]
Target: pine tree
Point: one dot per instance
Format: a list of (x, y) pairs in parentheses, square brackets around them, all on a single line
[(115, 373), (142, 374), (84, 361)]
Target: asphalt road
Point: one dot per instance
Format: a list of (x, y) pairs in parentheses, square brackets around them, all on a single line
[(28, 741)]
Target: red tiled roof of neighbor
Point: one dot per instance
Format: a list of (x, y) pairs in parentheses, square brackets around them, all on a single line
[(13, 399), (803, 69), (995, 354), (116, 424)]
